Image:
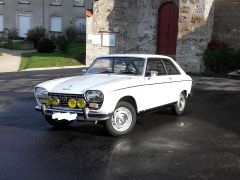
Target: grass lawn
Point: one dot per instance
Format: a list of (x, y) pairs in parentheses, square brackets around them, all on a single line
[(73, 57)]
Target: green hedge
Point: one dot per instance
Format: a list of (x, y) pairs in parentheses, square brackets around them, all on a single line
[(221, 59)]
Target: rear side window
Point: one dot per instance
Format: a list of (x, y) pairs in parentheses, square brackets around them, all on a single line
[(170, 67), (155, 64)]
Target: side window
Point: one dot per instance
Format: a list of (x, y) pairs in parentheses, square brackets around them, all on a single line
[(155, 64), (170, 67)]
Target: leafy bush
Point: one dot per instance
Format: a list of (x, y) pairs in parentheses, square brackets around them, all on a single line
[(62, 43), (71, 34), (35, 35), (46, 46), (216, 44), (13, 34), (221, 59)]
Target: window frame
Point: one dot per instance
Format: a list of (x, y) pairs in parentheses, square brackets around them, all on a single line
[(51, 24), (1, 15), (179, 73), (75, 24), (24, 1), (55, 3), (75, 4), (155, 58)]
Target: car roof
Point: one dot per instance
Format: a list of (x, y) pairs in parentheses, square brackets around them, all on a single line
[(136, 55)]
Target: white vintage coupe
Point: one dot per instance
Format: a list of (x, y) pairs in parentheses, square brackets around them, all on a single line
[(114, 90)]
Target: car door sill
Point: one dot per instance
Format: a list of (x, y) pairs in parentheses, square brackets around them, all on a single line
[(156, 109)]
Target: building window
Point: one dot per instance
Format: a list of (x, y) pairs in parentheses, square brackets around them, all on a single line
[(78, 2), (24, 2), (1, 2), (1, 23), (56, 24), (56, 3), (80, 24)]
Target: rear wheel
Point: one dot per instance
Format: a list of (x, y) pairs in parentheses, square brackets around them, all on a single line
[(179, 106), (57, 123), (123, 119)]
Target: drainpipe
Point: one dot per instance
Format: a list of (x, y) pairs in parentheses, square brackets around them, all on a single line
[(43, 16)]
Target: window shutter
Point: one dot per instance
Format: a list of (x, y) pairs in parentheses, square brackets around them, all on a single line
[(1, 23), (56, 24)]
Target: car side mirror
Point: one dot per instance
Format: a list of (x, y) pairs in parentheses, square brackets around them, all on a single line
[(84, 71), (153, 73)]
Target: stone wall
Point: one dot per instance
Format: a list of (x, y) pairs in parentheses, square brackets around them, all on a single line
[(226, 23), (134, 24), (195, 31)]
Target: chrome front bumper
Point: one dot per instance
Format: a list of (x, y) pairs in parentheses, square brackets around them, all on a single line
[(84, 114)]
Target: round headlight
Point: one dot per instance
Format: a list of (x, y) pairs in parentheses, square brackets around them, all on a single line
[(47, 101), (55, 101), (72, 103), (81, 103), (94, 96), (41, 92)]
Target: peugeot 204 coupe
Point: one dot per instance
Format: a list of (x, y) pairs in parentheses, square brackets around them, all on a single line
[(114, 90)]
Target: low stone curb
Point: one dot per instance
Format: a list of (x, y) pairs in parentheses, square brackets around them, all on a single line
[(54, 68)]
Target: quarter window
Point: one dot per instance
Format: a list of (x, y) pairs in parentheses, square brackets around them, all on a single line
[(80, 24), (155, 64), (56, 24), (170, 67), (1, 23)]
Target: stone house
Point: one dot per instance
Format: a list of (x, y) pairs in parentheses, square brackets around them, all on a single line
[(179, 28), (54, 15)]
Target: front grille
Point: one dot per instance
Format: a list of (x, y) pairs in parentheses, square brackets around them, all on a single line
[(64, 98)]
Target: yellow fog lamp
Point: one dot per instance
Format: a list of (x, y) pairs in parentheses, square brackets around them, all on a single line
[(55, 101), (81, 103), (72, 103), (47, 101)]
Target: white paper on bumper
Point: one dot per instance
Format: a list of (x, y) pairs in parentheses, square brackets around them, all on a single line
[(64, 116)]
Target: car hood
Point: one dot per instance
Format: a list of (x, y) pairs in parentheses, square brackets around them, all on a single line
[(80, 84)]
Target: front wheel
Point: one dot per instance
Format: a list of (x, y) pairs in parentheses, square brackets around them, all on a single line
[(123, 119), (180, 105), (57, 123)]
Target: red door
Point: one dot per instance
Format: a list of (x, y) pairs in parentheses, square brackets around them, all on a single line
[(167, 29)]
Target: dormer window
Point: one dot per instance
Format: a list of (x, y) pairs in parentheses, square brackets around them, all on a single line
[(24, 2), (56, 3), (78, 2)]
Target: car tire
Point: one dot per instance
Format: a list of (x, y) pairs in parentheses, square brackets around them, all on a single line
[(56, 123), (180, 105), (123, 119)]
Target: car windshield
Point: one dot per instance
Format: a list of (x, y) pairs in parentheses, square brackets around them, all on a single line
[(117, 65)]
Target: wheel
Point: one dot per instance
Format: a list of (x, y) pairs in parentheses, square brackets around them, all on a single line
[(179, 106), (57, 123), (123, 119)]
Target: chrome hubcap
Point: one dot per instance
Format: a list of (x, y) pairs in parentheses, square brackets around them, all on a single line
[(122, 119), (181, 103)]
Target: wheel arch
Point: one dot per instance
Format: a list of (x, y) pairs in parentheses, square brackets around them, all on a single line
[(131, 100)]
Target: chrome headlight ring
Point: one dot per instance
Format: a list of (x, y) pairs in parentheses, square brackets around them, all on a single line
[(40, 94), (94, 96)]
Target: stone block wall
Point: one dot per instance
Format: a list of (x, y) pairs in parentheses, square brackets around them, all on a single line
[(195, 30), (134, 24), (227, 22)]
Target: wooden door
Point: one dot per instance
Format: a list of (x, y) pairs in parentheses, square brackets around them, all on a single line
[(167, 29)]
